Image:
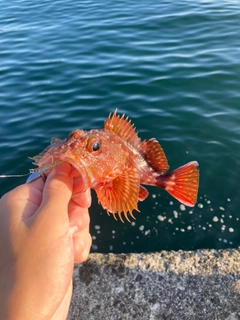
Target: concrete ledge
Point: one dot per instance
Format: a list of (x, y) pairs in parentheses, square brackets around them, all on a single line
[(202, 284)]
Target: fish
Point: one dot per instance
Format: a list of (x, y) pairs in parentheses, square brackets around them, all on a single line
[(116, 163)]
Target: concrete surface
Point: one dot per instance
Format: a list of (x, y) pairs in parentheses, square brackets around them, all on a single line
[(203, 284)]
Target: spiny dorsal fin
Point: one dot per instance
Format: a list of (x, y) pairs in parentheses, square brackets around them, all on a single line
[(121, 194), (123, 128), (154, 155)]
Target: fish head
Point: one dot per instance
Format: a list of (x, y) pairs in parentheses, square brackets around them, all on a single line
[(97, 155), (99, 152)]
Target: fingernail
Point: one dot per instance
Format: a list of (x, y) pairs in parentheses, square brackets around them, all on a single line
[(73, 230), (86, 195), (89, 197)]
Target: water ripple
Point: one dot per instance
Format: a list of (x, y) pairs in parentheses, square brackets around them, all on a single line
[(172, 67)]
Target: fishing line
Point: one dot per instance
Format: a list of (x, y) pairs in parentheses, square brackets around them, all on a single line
[(13, 175), (16, 175)]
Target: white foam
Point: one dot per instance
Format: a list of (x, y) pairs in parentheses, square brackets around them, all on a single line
[(161, 218), (182, 207)]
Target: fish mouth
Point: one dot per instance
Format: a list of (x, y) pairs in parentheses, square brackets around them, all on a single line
[(81, 170), (49, 161)]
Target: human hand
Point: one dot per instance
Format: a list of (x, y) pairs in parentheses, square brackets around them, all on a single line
[(44, 230)]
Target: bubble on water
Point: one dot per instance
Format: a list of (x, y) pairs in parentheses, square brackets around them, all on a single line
[(175, 213), (219, 239), (225, 240), (215, 219), (231, 230), (182, 207), (170, 221), (208, 202), (200, 205), (141, 227), (176, 228), (182, 230), (189, 227), (230, 217), (171, 203), (154, 196), (133, 223), (113, 231), (221, 208), (147, 232), (94, 237), (161, 218), (210, 226), (223, 227), (228, 199), (223, 216), (124, 243), (97, 227), (221, 220), (204, 228), (190, 212), (110, 248), (94, 247)]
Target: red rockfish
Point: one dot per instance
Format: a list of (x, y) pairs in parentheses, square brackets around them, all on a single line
[(116, 163)]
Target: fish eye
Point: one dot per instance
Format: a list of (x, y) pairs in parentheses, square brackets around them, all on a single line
[(96, 146)]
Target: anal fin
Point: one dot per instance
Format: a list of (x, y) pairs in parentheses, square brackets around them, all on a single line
[(143, 193)]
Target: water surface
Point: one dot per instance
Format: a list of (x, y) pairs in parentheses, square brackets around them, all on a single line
[(172, 67)]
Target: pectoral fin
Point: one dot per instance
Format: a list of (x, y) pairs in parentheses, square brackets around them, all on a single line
[(121, 194)]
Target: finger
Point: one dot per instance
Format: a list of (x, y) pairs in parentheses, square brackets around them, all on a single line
[(57, 193), (78, 185), (82, 199), (24, 200), (81, 245), (78, 218)]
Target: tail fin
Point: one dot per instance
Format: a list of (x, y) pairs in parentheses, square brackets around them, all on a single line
[(182, 183)]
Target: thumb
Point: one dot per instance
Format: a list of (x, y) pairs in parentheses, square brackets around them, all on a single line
[(57, 193)]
